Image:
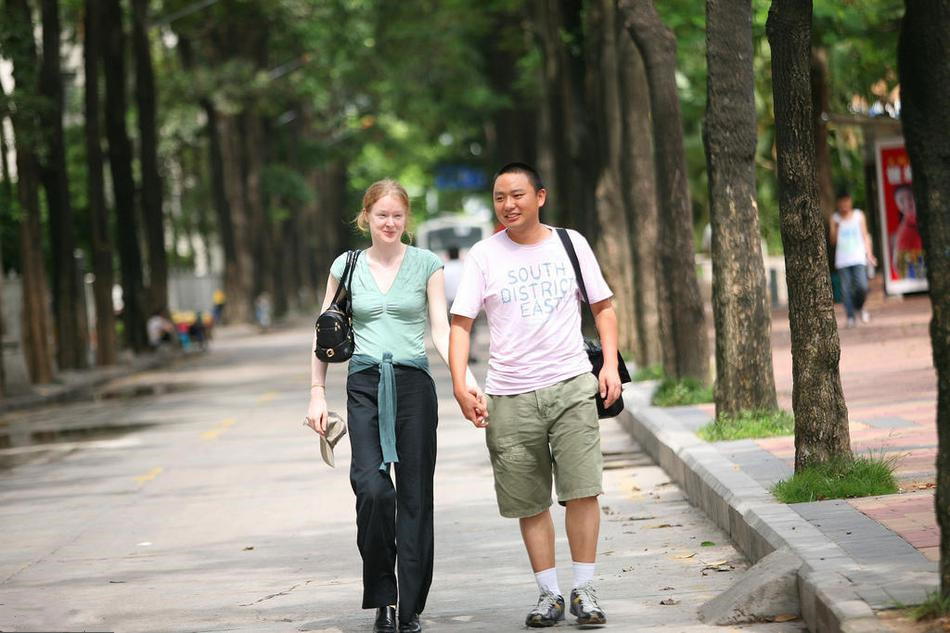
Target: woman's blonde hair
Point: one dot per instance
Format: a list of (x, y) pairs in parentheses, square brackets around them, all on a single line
[(376, 191)]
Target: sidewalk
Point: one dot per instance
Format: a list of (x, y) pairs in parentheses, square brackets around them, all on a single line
[(861, 555)]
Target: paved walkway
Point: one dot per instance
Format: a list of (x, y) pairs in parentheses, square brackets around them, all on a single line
[(890, 388), (206, 507)]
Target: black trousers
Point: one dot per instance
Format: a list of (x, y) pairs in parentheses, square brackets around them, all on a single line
[(394, 522)]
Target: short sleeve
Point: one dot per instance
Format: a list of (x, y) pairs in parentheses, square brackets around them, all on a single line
[(597, 288), (471, 289), (432, 263), (339, 264)]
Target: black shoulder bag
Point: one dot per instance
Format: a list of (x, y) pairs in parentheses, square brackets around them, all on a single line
[(335, 326), (594, 351)]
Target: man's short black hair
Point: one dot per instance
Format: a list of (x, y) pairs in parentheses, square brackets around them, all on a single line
[(520, 168), (843, 191)]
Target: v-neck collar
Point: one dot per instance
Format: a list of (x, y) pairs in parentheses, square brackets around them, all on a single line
[(402, 265)]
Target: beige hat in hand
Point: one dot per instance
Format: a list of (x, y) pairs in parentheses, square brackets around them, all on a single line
[(336, 429)]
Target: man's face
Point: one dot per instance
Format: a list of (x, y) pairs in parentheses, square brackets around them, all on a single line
[(517, 204)]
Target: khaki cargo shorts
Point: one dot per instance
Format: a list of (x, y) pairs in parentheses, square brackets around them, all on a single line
[(551, 431)]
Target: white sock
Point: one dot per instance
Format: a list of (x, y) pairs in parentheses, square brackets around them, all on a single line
[(547, 581), (583, 572)]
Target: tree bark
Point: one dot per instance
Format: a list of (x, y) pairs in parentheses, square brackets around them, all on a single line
[(151, 180), (676, 250), (924, 69), (69, 308), (821, 417), (240, 279), (120, 164), (20, 48), (821, 109), (98, 213), (744, 377), (613, 243), (7, 199), (639, 183)]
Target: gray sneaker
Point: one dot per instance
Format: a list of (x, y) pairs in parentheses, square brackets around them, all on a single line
[(549, 610), (584, 606)]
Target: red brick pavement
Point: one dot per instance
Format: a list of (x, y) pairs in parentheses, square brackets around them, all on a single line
[(886, 371)]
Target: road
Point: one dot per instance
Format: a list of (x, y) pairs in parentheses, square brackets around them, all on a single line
[(208, 508)]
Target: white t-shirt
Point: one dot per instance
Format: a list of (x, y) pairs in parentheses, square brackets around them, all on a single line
[(533, 305), (850, 249)]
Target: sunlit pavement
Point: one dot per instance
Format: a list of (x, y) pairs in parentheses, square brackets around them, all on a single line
[(208, 508)]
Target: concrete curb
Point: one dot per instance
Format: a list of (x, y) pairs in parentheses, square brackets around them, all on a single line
[(78, 385), (756, 523)]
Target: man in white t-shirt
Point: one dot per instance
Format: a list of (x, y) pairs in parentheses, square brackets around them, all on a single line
[(853, 252), (540, 389)]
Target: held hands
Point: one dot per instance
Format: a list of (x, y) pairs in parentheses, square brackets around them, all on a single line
[(472, 402), (609, 385), (317, 414)]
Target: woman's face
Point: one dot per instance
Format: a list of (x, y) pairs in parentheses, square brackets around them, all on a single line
[(905, 202), (387, 219)]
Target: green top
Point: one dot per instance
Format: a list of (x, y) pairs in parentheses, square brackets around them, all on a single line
[(393, 322)]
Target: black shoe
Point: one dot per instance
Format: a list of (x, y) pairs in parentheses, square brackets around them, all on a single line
[(411, 625), (385, 620)]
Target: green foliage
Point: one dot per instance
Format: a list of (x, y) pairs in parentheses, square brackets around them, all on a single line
[(935, 606), (654, 372), (839, 479), (674, 393), (748, 424)]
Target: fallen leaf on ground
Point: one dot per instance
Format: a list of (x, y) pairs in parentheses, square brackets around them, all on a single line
[(707, 544), (248, 548), (667, 588), (641, 518), (684, 555), (666, 525), (669, 602), (785, 617)]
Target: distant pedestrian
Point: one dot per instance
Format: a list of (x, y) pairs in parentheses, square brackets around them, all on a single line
[(853, 253), (453, 276), (218, 303), (542, 413), (392, 409)]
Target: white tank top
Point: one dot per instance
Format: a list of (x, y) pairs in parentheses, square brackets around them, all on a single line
[(850, 250)]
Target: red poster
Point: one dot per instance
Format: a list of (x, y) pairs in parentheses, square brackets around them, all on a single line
[(904, 266)]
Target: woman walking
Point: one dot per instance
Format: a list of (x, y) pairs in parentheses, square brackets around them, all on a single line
[(391, 405)]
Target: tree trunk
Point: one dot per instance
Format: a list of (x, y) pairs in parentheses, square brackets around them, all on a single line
[(20, 48), (924, 68), (613, 244), (151, 180), (677, 253), (120, 164), (98, 213), (744, 377), (821, 109), (240, 279), (69, 308), (639, 182), (7, 199), (821, 417)]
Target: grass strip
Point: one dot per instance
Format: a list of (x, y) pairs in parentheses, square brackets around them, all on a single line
[(674, 393), (748, 424), (653, 372), (839, 479)]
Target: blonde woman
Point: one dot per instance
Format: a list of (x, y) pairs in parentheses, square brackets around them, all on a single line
[(391, 405)]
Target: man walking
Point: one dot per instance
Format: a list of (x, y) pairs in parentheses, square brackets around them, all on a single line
[(542, 415)]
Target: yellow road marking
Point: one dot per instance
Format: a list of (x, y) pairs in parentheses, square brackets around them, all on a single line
[(218, 429), (267, 397), (150, 475)]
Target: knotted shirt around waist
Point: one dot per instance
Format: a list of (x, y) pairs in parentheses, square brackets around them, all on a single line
[(386, 396)]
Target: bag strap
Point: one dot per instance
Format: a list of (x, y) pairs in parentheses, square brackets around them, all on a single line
[(572, 255), (346, 279)]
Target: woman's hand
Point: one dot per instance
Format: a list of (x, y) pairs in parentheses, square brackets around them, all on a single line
[(317, 414)]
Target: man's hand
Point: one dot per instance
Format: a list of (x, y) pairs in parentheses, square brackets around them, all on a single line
[(609, 385), (872, 259), (472, 403)]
